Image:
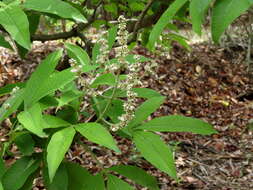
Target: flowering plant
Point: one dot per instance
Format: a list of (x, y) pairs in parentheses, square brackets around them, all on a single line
[(94, 100)]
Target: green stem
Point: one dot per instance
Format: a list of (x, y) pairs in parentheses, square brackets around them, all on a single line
[(110, 99)]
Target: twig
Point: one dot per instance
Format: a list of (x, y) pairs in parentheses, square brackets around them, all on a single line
[(142, 15)]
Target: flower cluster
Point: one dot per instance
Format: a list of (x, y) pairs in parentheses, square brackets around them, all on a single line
[(122, 36), (132, 76), (103, 58)]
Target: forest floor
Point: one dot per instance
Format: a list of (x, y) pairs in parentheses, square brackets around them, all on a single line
[(210, 83)]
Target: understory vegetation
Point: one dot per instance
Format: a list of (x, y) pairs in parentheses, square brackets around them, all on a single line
[(90, 93)]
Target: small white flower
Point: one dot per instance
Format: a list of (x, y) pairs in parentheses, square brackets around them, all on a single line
[(6, 105)]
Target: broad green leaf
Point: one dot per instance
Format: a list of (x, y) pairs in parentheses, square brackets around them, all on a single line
[(111, 8), (57, 148), (68, 96), (112, 34), (81, 179), (181, 40), (22, 52), (11, 104), (198, 9), (60, 181), (32, 120), (115, 110), (145, 109), (78, 54), (154, 150), (7, 89), (163, 21), (25, 143), (224, 13), (15, 22), (131, 58), (146, 92), (28, 185), (4, 43), (56, 7), (177, 123), (48, 102), (34, 20), (137, 6), (39, 76), (54, 122), (52, 83), (68, 114), (105, 79), (137, 175), (2, 168), (98, 134), (1, 186), (114, 183), (16, 176)]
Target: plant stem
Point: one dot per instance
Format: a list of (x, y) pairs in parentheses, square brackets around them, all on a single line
[(110, 99)]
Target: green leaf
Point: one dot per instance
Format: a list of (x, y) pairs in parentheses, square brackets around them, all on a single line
[(48, 102), (224, 13), (198, 10), (54, 122), (39, 76), (154, 150), (28, 185), (114, 183), (78, 54), (95, 52), (137, 6), (68, 114), (145, 109), (25, 143), (105, 79), (146, 93), (32, 120), (137, 175), (56, 7), (163, 21), (56, 149), (115, 110), (180, 39), (54, 82), (60, 181), (141, 92), (177, 123), (16, 176), (7, 89), (112, 34), (81, 179), (15, 22), (111, 8), (68, 96), (4, 43), (98, 134), (22, 52), (11, 104), (2, 168), (34, 20)]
